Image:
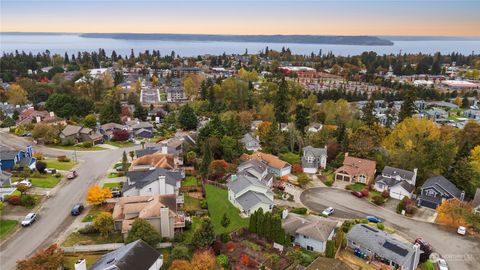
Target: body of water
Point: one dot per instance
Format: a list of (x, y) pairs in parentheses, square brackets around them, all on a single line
[(72, 43)]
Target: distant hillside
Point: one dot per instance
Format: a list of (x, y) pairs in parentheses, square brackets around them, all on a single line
[(429, 38), (304, 39)]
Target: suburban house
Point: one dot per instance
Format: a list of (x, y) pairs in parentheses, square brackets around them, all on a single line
[(5, 182), (107, 130), (173, 146), (382, 248), (314, 127), (31, 115), (10, 158), (311, 232), (248, 191), (257, 169), (159, 211), (275, 165), (136, 255), (79, 134), (140, 129), (437, 189), (159, 160), (356, 170), (152, 181), (313, 159), (400, 183), (251, 143), (176, 94), (476, 202)]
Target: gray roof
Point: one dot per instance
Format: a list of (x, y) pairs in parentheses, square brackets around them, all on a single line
[(381, 243), (249, 138), (251, 198), (7, 153), (476, 199), (136, 255), (139, 179), (109, 126), (242, 182), (252, 167), (146, 151), (316, 152), (442, 184), (312, 226), (71, 130), (142, 125), (407, 186), (391, 171)]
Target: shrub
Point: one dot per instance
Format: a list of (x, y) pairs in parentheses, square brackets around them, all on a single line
[(348, 187), (381, 226), (68, 142), (225, 237), (14, 200), (38, 155), (364, 192), (87, 144), (300, 211), (378, 200), (178, 237), (297, 168), (223, 260), (188, 225), (329, 183), (330, 249), (230, 246), (245, 259), (28, 201), (89, 229), (57, 175), (203, 204), (217, 246), (385, 194), (40, 166), (61, 158), (401, 205)]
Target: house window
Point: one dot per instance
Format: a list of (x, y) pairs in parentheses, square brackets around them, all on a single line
[(149, 189), (431, 193), (309, 248), (362, 178), (306, 237), (310, 159)]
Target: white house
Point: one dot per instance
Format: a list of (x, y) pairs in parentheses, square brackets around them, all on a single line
[(476, 202), (400, 183), (311, 232), (251, 143), (152, 181), (313, 159)]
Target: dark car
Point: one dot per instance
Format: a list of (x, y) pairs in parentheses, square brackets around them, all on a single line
[(357, 194), (374, 219), (116, 192), (77, 209)]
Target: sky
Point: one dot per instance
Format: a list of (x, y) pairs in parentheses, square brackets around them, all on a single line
[(315, 17)]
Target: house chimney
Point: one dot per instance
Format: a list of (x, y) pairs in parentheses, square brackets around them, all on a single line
[(285, 213), (165, 222), (416, 256), (81, 264), (52, 114), (346, 154), (414, 178), (462, 195), (38, 119)]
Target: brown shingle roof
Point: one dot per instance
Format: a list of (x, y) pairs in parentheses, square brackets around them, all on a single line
[(356, 166), (165, 161), (271, 160)]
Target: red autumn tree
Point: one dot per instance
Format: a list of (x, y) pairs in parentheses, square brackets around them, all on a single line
[(217, 170), (245, 259), (120, 135), (50, 258)]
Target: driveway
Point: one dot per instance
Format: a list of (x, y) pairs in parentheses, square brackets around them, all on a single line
[(460, 252), (54, 214)]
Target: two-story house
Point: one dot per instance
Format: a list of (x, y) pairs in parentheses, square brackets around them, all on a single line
[(77, 134), (437, 189), (140, 129), (9, 158), (310, 232), (251, 143), (275, 165), (257, 169), (313, 159), (152, 181), (400, 183), (356, 170), (107, 129)]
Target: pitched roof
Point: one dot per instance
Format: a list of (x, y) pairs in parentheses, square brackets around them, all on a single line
[(7, 153), (136, 255), (71, 130), (404, 174), (140, 125), (271, 160), (251, 198), (140, 178), (248, 138), (476, 198), (109, 126), (312, 226), (165, 161), (442, 184), (147, 151), (242, 182), (317, 152), (381, 243), (145, 206), (355, 166)]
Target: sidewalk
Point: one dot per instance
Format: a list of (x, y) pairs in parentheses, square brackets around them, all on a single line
[(90, 248)]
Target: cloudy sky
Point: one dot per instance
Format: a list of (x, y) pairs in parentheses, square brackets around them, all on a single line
[(340, 17)]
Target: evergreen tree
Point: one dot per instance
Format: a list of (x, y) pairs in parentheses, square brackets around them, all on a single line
[(110, 112), (225, 220), (301, 117), (204, 235), (140, 112), (124, 161), (260, 231), (203, 91), (281, 102), (408, 108), (465, 102), (207, 158), (187, 117), (272, 139), (369, 113), (252, 225)]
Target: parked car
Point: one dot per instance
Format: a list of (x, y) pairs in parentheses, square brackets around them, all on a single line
[(328, 211), (116, 192), (27, 134), (77, 209), (442, 264), (50, 170), (72, 174), (462, 230), (25, 182), (357, 194), (374, 219), (29, 219)]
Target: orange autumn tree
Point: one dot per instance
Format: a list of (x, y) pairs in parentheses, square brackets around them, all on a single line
[(50, 258), (452, 212), (97, 195), (201, 260)]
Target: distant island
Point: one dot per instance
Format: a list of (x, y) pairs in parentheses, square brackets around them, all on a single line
[(303, 39)]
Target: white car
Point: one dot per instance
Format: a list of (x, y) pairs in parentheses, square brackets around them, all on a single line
[(461, 230), (442, 264), (29, 219), (25, 182), (49, 170), (328, 211)]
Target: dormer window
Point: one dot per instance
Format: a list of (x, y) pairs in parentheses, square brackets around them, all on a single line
[(362, 178)]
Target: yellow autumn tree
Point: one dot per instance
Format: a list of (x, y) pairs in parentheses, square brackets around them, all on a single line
[(16, 95), (458, 101), (97, 195), (452, 212), (475, 158)]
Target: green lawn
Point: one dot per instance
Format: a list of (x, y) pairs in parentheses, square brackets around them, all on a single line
[(45, 181), (91, 239), (120, 144), (358, 186), (196, 221), (428, 265), (76, 148), (63, 166), (190, 181), (291, 158), (6, 226), (191, 203), (218, 204), (92, 213), (112, 185), (71, 259)]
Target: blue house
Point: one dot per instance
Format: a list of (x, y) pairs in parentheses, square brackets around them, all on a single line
[(23, 158)]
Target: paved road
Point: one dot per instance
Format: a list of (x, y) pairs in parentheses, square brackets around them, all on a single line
[(460, 252), (54, 215)]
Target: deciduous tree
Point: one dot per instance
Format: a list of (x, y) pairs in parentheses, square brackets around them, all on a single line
[(97, 195), (142, 229), (50, 258), (16, 95), (104, 224)]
